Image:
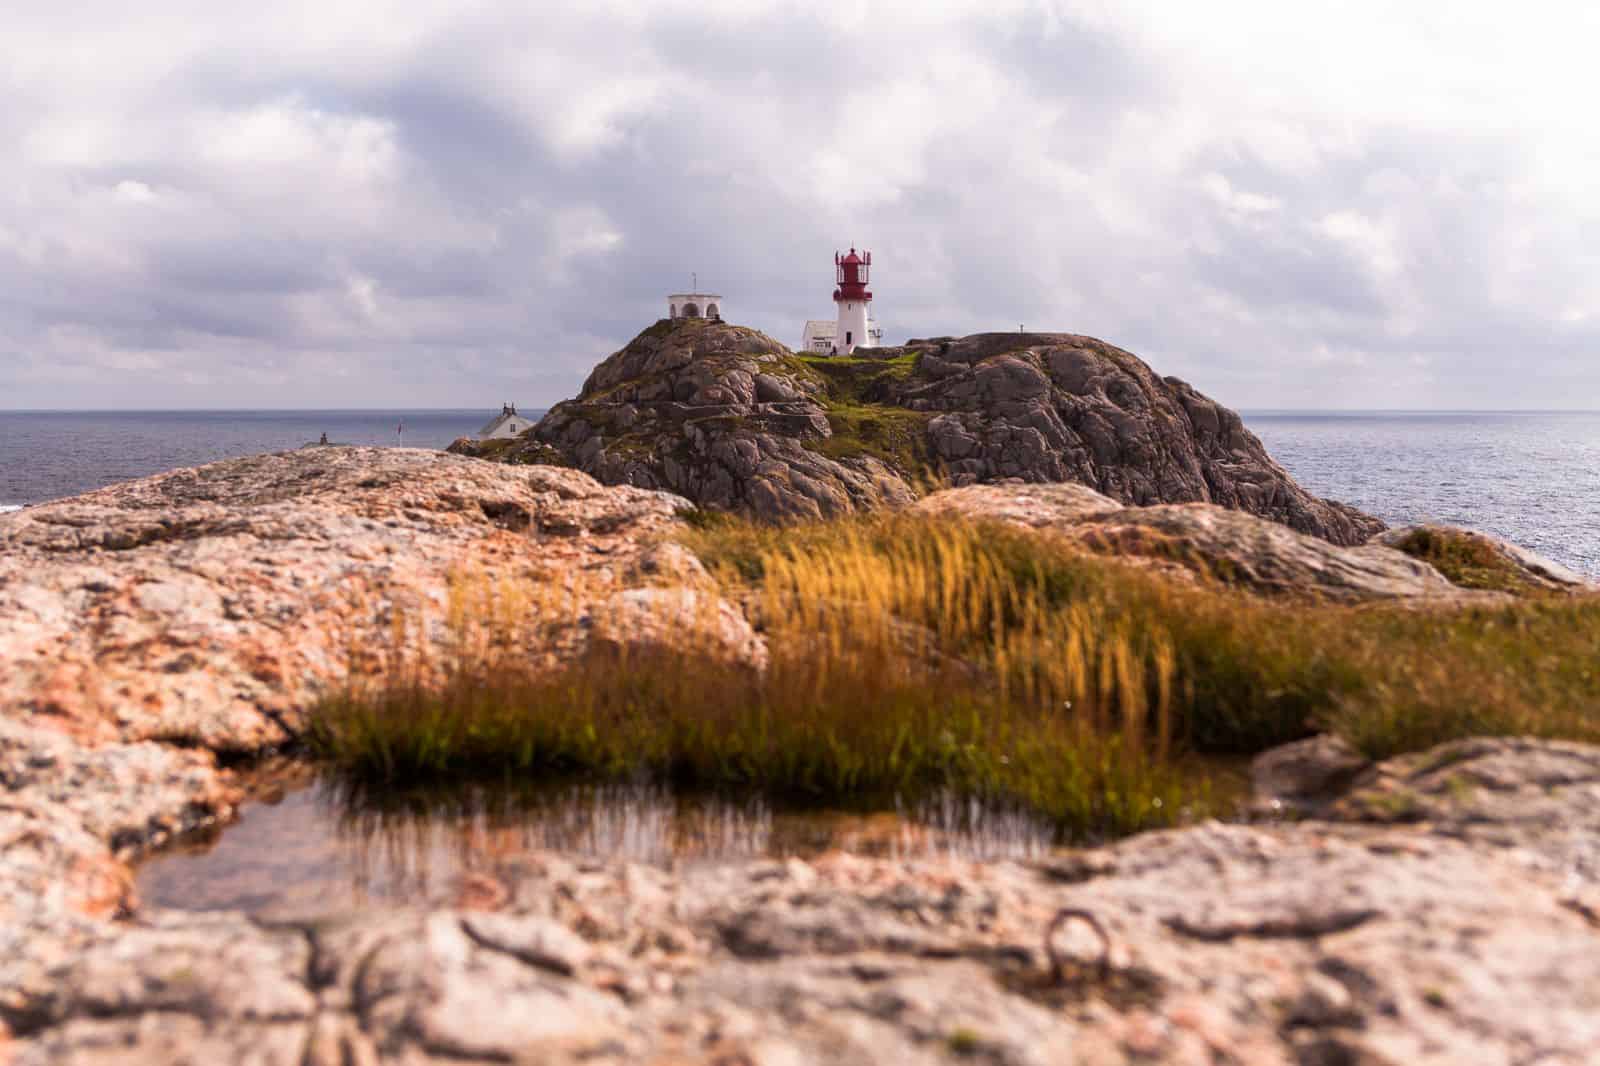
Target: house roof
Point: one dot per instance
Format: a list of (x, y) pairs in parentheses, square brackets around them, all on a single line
[(821, 327), (498, 420)]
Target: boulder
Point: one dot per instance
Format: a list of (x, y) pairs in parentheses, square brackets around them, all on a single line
[(733, 420), (1201, 539), (1480, 561), (1306, 775), (213, 605)]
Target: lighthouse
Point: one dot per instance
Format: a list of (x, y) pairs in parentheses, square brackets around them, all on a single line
[(853, 300), (852, 326)]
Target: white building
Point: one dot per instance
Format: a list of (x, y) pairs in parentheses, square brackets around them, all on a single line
[(853, 325), (818, 336), (505, 424), (694, 305)]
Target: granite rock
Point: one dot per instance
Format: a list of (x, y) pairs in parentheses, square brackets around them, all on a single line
[(733, 420), (1230, 546), (1436, 908), (1460, 936), (1504, 565), (212, 606)]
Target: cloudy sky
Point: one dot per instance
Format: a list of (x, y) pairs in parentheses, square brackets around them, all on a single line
[(296, 204)]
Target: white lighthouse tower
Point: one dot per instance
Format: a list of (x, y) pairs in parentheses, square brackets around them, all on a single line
[(852, 326), (853, 301)]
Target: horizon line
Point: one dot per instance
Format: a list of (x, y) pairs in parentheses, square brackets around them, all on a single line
[(539, 407)]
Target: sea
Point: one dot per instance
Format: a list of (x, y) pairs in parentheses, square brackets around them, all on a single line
[(1532, 477)]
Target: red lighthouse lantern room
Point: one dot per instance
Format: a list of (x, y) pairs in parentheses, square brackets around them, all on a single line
[(850, 273)]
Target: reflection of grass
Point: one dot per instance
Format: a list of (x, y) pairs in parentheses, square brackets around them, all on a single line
[(910, 654), (644, 821)]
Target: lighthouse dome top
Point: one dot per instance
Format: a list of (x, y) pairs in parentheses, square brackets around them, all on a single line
[(851, 274)]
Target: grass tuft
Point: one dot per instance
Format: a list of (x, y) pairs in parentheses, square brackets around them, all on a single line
[(911, 653)]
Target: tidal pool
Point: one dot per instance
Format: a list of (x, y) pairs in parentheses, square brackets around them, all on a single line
[(305, 840)]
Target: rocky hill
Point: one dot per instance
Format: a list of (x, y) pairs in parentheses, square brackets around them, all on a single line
[(733, 420)]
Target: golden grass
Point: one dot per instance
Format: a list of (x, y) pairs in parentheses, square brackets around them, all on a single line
[(910, 653)]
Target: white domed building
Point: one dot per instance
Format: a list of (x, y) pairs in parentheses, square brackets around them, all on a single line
[(695, 305)]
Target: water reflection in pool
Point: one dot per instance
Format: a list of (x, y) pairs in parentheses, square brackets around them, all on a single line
[(308, 841)]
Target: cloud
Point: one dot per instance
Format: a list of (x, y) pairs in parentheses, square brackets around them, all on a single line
[(234, 204)]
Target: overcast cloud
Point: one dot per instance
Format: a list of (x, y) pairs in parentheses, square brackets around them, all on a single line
[(297, 204)]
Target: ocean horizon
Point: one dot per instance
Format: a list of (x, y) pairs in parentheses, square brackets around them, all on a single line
[(487, 412), (1530, 476)]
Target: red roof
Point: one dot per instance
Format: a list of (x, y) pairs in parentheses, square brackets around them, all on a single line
[(850, 273)]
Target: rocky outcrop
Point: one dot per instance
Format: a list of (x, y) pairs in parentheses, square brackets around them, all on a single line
[(211, 606), (1479, 561), (733, 420), (1204, 540), (147, 628)]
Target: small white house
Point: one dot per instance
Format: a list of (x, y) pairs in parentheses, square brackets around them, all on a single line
[(508, 423), (694, 305), (818, 336)]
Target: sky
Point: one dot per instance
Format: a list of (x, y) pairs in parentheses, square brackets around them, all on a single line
[(359, 204)]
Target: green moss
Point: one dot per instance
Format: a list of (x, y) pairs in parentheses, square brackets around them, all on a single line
[(1460, 788), (537, 453), (857, 394), (516, 451), (490, 449), (1467, 561), (963, 1042), (851, 380), (1397, 806), (630, 447), (723, 423), (894, 435)]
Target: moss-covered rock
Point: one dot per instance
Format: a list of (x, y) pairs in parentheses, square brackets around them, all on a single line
[(1474, 560)]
